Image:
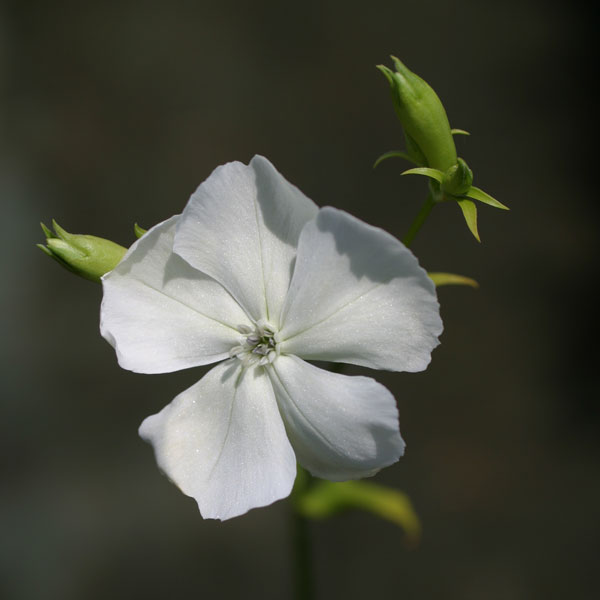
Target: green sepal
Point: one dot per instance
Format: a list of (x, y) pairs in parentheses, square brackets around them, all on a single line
[(477, 194), (88, 256), (388, 73), (47, 232), (451, 279), (138, 231), (432, 173), (55, 257), (470, 213), (459, 132), (327, 498), (45, 250), (395, 154), (457, 179)]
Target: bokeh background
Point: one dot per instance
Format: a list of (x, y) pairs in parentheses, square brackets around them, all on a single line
[(113, 112)]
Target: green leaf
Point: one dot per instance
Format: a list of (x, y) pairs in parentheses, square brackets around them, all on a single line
[(476, 194), (139, 231), (433, 173), (470, 213), (459, 132), (451, 279), (394, 154), (327, 498)]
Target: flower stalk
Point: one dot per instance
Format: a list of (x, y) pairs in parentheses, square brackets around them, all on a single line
[(303, 575), (419, 220)]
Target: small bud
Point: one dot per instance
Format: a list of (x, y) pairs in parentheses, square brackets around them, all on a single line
[(457, 179), (85, 255), (428, 136)]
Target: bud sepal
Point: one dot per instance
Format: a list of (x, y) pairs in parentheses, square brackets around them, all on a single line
[(395, 154), (457, 179), (456, 184), (138, 231), (469, 211), (477, 194), (435, 174), (440, 279)]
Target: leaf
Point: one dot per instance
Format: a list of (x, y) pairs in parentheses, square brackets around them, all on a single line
[(451, 279), (459, 132), (327, 498), (470, 213), (139, 231), (433, 173), (395, 154), (476, 194)]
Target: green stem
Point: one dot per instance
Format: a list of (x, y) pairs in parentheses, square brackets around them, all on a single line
[(419, 220), (304, 588)]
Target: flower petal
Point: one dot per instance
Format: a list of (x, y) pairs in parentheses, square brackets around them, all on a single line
[(162, 315), (340, 427), (241, 226), (359, 296), (223, 442)]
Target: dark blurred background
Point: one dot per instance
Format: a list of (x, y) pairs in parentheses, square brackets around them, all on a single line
[(113, 112)]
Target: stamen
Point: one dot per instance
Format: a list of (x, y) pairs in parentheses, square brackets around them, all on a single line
[(259, 346), (235, 351)]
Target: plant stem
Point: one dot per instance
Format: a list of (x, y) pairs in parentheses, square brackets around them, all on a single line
[(304, 588), (419, 220)]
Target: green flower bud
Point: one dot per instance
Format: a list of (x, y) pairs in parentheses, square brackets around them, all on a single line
[(85, 255), (422, 115), (457, 179)]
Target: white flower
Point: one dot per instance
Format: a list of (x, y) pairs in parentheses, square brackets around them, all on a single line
[(255, 275)]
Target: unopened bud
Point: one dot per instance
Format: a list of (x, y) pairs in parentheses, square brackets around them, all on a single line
[(85, 255), (423, 118)]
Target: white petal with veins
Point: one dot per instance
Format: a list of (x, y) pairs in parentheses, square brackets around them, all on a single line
[(359, 296), (341, 427), (241, 226), (223, 442), (162, 315)]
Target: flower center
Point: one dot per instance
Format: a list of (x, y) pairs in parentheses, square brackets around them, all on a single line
[(258, 346)]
